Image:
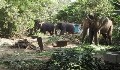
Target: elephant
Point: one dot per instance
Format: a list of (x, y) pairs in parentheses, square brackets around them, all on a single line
[(47, 27), (106, 29), (85, 26), (97, 25), (64, 28), (44, 26)]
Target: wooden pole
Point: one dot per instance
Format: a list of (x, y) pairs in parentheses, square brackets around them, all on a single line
[(40, 43)]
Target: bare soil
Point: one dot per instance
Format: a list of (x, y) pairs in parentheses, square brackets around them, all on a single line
[(6, 50)]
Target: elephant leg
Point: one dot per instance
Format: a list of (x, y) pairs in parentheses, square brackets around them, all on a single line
[(62, 32), (105, 38), (43, 30), (84, 34), (96, 37), (110, 36), (110, 40), (51, 32), (91, 33), (55, 32)]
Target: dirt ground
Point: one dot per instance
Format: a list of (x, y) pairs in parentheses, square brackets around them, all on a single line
[(6, 50), (6, 43), (18, 53)]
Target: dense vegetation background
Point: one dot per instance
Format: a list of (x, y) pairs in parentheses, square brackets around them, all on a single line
[(16, 16)]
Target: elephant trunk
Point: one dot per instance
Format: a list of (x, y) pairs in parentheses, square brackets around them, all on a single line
[(55, 30)]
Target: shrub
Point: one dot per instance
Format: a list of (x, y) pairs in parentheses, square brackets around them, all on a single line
[(72, 59), (31, 64)]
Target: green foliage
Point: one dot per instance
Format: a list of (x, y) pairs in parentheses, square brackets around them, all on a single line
[(77, 10), (72, 59), (31, 64), (21, 60), (7, 26), (80, 58), (116, 28), (114, 49), (17, 15)]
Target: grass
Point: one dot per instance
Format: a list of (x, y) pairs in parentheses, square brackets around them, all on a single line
[(25, 60), (21, 60)]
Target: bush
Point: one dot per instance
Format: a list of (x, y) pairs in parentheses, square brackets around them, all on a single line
[(72, 59), (16, 17), (62, 59), (116, 32), (31, 64), (77, 10)]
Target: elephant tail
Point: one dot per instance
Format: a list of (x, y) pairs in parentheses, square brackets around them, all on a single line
[(110, 30)]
